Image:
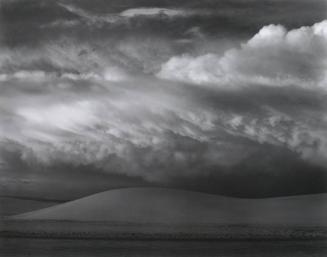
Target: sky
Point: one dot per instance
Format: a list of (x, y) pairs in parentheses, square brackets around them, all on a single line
[(224, 97)]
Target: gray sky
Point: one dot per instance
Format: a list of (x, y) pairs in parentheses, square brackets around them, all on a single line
[(227, 97)]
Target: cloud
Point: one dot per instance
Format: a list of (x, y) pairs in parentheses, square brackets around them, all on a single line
[(24, 75), (273, 57), (63, 59), (61, 116), (155, 133), (61, 23), (126, 15), (89, 17), (154, 11), (100, 19), (88, 96)]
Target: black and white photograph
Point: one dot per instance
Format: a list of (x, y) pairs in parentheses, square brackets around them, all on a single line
[(163, 128)]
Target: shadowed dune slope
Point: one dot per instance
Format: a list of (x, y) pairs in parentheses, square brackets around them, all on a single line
[(159, 205)]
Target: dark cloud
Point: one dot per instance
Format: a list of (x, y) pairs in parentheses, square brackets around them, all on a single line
[(269, 171), (23, 177), (266, 171)]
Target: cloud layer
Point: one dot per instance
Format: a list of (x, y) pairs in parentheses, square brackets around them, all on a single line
[(190, 95)]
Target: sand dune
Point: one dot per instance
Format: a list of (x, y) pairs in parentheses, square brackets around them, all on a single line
[(158, 205), (11, 205)]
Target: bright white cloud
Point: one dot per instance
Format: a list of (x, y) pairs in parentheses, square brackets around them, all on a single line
[(147, 11), (70, 117), (274, 56)]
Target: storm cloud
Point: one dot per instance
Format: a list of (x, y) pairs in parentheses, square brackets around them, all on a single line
[(203, 103)]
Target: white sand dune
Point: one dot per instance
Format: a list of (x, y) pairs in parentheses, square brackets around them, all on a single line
[(158, 205)]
